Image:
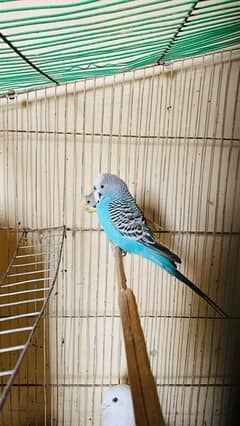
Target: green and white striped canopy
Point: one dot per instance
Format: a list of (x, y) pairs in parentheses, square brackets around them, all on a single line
[(45, 42)]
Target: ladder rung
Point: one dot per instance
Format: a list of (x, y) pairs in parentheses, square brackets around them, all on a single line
[(6, 373), (34, 254), (21, 302), (40, 245), (25, 282), (27, 315), (18, 265), (28, 273), (16, 293), (12, 348), (15, 330)]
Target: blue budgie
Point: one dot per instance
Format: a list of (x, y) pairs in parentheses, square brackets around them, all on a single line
[(126, 227)]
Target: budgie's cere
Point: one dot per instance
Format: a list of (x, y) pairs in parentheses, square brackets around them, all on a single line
[(117, 407), (126, 227)]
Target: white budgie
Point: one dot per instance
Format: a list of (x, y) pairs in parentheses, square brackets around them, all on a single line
[(89, 202), (117, 407)]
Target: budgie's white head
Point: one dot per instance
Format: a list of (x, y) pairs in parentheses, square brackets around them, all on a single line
[(89, 202), (117, 406), (107, 184)]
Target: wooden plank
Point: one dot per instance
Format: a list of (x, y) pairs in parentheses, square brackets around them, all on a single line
[(133, 368), (148, 386), (146, 404)]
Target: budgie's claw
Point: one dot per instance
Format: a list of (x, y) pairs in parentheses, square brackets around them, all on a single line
[(113, 246)]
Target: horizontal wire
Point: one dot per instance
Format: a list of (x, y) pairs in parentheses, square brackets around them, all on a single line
[(167, 232), (115, 135), (15, 330), (22, 302), (26, 282), (172, 317), (18, 256), (41, 244), (33, 263), (16, 293), (34, 230), (12, 348), (19, 316), (6, 373), (108, 384), (28, 273)]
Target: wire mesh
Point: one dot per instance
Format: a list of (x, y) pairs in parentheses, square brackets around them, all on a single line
[(171, 132)]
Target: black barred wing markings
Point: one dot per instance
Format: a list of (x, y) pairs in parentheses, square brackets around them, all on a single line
[(131, 223), (128, 218)]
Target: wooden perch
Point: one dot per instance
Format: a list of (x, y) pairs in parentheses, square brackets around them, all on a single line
[(146, 404)]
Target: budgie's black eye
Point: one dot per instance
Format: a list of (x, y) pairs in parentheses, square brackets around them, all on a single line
[(102, 186), (88, 201), (115, 399)]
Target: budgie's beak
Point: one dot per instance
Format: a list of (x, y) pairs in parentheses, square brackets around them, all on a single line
[(103, 407)]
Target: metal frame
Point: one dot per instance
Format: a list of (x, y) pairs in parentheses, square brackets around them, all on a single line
[(38, 315)]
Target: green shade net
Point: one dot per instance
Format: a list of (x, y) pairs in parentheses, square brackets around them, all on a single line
[(45, 43)]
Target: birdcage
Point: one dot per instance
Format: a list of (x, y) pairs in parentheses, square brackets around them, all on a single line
[(148, 91)]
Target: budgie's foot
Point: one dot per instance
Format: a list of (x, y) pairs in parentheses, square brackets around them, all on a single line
[(113, 246)]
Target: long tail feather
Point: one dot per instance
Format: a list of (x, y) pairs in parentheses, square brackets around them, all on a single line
[(203, 295)]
